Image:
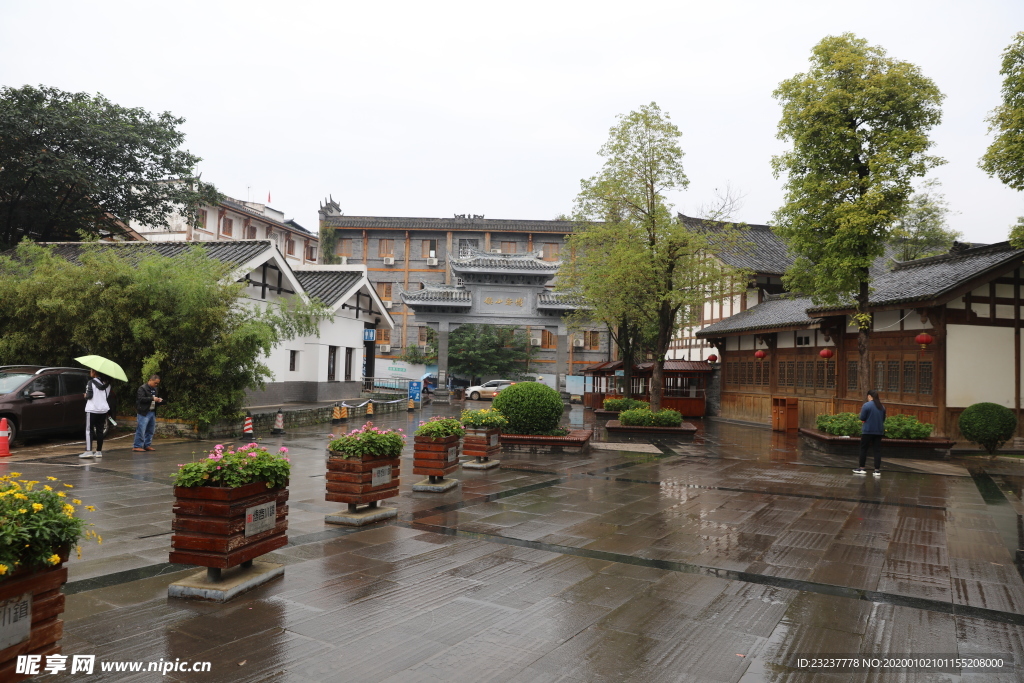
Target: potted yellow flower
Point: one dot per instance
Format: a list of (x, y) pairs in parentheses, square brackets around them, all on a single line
[(38, 528)]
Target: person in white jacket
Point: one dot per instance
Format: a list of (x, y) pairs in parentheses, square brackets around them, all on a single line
[(97, 393)]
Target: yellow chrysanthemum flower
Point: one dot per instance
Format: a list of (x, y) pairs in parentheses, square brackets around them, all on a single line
[(69, 486), (22, 511), (3, 569), (69, 509), (52, 478), (21, 496), (37, 506), (90, 508), (47, 487), (14, 474), (62, 494), (76, 501), (53, 559)]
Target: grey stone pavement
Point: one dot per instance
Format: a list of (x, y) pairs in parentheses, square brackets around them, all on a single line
[(723, 558)]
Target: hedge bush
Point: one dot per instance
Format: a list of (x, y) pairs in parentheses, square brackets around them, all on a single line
[(529, 407), (620, 404), (840, 424), (906, 427), (988, 424), (643, 417)]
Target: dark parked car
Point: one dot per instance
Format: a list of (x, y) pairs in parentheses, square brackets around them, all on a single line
[(42, 401)]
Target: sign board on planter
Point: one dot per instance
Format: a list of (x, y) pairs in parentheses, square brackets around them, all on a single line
[(494, 439), (453, 454), (380, 475), (15, 620), (260, 518)]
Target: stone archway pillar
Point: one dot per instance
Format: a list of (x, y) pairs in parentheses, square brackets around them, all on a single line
[(561, 359), (442, 395)]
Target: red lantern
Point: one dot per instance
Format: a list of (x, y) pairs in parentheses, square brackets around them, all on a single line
[(826, 353), (759, 354), (712, 358), (924, 339)]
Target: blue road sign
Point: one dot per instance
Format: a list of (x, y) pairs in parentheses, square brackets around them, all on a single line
[(369, 335), (415, 390)]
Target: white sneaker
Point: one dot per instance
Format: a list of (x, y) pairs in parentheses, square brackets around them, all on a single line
[(97, 454), (859, 470), (87, 454), (878, 473)]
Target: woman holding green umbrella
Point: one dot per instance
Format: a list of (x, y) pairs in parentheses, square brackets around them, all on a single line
[(97, 406)]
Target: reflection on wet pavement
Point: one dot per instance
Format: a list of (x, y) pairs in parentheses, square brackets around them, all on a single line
[(716, 558)]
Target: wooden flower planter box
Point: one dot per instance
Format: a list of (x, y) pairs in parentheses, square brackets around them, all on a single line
[(220, 527), (435, 457), (684, 429), (482, 444), (361, 481), (932, 448), (31, 603)]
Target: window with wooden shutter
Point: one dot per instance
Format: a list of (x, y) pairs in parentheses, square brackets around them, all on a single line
[(830, 375), (385, 247), (343, 247), (201, 219), (384, 290), (924, 377), (892, 384), (227, 226), (819, 374), (549, 251), (383, 336), (851, 375), (508, 248), (909, 377), (548, 340)]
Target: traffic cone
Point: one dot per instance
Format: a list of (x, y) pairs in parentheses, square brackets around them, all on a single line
[(369, 408), (5, 446), (336, 416), (412, 405), (278, 423), (344, 412), (247, 430)]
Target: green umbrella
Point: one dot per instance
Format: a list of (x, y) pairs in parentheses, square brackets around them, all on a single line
[(101, 364)]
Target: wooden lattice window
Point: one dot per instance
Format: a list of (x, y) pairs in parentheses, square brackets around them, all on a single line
[(880, 374), (757, 373), (830, 375), (800, 373), (910, 376), (766, 377), (893, 383), (851, 375), (819, 374), (924, 377), (790, 373)]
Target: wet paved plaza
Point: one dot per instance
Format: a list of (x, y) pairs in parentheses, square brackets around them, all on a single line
[(723, 558)]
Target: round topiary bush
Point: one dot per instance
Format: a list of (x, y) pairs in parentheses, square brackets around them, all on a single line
[(988, 424), (529, 407)]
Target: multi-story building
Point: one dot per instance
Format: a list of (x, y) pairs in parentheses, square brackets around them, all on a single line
[(234, 220), (412, 253)]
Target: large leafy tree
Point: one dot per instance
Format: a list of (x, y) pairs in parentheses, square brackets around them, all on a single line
[(75, 165), (923, 230), (640, 269), (1004, 158), (858, 121), (183, 317), (477, 350)]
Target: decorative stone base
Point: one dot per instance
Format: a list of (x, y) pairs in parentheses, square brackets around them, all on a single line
[(361, 517), (233, 582), (439, 487), (485, 465)]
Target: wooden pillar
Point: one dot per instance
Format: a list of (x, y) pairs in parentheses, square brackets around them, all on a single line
[(529, 242), (939, 370), (366, 248), (1016, 344), (487, 242)]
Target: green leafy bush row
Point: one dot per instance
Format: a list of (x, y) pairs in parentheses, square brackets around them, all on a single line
[(530, 408), (988, 424), (620, 404), (896, 427), (643, 417), (368, 440), (440, 428), (233, 468)]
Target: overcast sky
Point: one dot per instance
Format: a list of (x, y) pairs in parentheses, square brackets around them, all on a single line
[(432, 109)]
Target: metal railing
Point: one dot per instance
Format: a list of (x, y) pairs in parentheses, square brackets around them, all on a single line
[(388, 385)]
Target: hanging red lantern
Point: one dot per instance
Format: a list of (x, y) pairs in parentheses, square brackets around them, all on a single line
[(712, 358), (826, 353), (924, 339), (759, 354)]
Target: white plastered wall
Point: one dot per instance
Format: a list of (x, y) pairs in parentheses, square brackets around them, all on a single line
[(976, 367)]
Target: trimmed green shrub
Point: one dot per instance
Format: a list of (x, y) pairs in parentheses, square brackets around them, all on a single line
[(906, 427), (643, 417), (841, 424), (988, 424), (529, 407), (620, 404)]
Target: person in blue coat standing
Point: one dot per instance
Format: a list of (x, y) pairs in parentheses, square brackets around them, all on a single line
[(872, 415)]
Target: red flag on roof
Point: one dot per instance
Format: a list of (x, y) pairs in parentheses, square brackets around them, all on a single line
[(268, 196)]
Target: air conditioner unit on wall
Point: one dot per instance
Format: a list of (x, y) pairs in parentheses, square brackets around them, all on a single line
[(534, 341), (389, 260), (387, 304), (495, 251), (577, 343), (431, 261), (385, 348)]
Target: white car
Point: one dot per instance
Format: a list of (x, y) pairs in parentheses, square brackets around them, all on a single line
[(487, 389)]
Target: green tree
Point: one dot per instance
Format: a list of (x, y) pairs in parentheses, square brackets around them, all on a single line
[(183, 317), (859, 123), (477, 350), (413, 354), (640, 269), (923, 231), (74, 165), (1004, 158)]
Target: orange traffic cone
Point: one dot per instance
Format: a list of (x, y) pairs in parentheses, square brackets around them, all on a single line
[(369, 408), (5, 446)]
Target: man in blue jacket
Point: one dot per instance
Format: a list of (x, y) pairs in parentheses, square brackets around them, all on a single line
[(872, 414)]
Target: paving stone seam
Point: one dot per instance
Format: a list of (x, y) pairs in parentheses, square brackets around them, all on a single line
[(879, 597)]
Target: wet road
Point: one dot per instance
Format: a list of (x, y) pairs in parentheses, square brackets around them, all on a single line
[(725, 558)]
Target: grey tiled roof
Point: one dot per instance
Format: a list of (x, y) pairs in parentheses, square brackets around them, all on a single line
[(327, 286), (237, 252), (444, 224), (559, 300), (930, 278), (438, 295), (758, 249), (778, 310), (482, 261)]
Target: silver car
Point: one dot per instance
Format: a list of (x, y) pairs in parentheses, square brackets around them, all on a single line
[(487, 389)]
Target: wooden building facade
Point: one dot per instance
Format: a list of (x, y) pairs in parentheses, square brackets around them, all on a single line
[(967, 301), (685, 385)]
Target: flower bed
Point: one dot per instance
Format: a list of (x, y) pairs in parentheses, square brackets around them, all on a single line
[(616, 427), (931, 448), (482, 433), (230, 507), (576, 441), (364, 465)]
